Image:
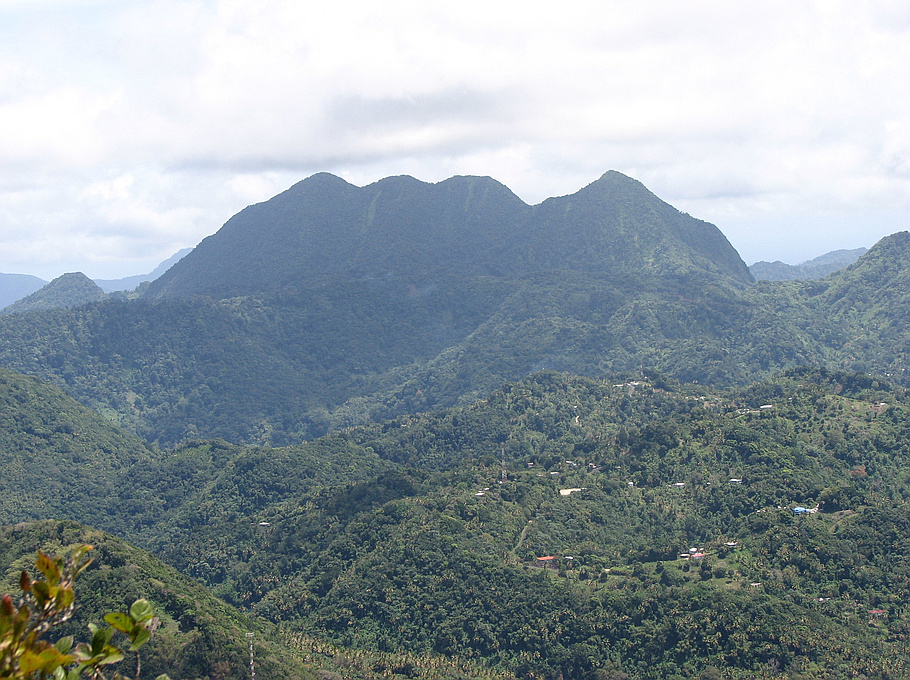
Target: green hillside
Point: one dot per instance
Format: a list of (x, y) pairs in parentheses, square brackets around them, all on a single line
[(55, 453), (444, 559), (69, 290), (198, 636), (399, 539), (280, 369), (257, 370)]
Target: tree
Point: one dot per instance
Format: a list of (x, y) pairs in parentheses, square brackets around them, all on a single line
[(50, 601)]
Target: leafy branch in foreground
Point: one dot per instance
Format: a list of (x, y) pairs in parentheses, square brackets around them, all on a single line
[(50, 601)]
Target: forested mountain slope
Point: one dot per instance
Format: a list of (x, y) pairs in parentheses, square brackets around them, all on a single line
[(55, 453), (856, 317), (398, 538), (361, 304), (326, 229)]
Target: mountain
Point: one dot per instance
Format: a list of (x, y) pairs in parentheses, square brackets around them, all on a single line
[(370, 320), (816, 268), (362, 303), (69, 290), (16, 286), (466, 226), (130, 282)]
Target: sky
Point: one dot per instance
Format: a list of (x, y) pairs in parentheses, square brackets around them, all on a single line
[(132, 129)]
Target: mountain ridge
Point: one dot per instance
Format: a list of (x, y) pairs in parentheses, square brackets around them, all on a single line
[(816, 268), (350, 341), (465, 225)]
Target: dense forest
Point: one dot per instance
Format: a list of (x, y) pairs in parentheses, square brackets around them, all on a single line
[(761, 530), (286, 367), (428, 431)]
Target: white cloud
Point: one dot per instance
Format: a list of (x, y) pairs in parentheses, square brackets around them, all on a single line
[(771, 114)]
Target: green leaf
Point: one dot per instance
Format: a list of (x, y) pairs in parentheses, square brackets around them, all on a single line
[(120, 621), (49, 568), (64, 644), (111, 655), (100, 639), (141, 610), (48, 660), (139, 637)]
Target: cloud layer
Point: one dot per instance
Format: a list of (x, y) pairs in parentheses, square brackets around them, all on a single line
[(131, 129)]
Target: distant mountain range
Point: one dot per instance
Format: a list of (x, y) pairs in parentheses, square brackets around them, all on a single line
[(70, 289), (816, 268), (331, 305), (130, 282), (16, 286)]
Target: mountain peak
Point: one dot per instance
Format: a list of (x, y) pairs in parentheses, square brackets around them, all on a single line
[(466, 225), (614, 180), (324, 179), (68, 290)]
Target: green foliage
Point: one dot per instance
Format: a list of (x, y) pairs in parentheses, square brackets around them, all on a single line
[(56, 455), (50, 602), (397, 538), (197, 635)]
